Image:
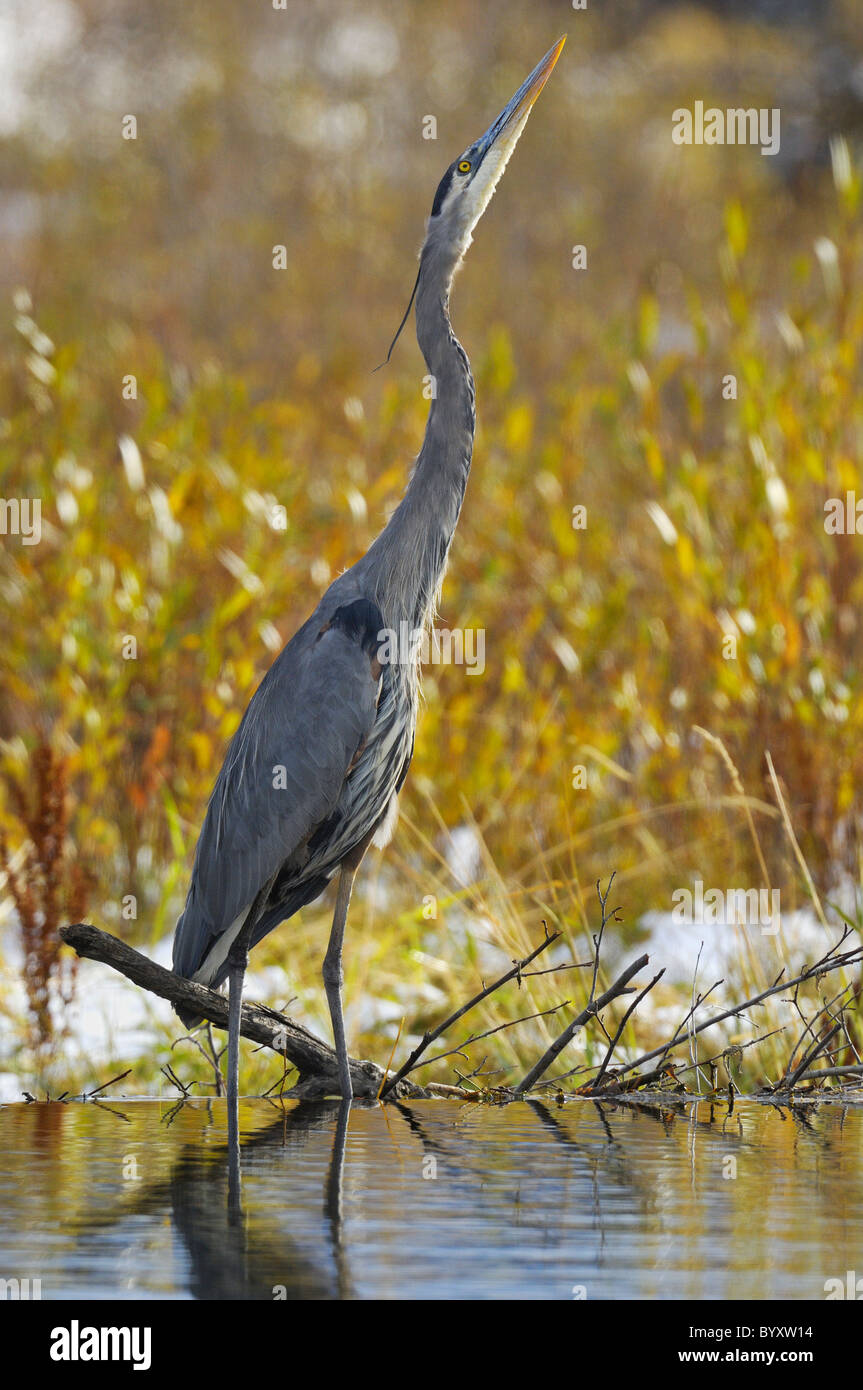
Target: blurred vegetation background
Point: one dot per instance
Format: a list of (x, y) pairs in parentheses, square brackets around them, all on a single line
[(152, 258)]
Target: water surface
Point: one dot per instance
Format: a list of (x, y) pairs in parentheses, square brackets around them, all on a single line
[(431, 1200)]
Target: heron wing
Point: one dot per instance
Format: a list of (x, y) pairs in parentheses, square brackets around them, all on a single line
[(283, 772)]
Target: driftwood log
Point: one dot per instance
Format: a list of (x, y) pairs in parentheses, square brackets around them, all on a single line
[(316, 1062), (313, 1058)]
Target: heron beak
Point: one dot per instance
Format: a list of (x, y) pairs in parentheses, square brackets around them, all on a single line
[(503, 133)]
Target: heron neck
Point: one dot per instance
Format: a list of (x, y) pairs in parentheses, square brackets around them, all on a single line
[(414, 546)]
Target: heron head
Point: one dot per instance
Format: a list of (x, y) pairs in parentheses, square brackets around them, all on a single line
[(466, 188)]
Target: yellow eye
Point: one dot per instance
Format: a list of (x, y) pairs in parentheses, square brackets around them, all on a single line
[(464, 166)]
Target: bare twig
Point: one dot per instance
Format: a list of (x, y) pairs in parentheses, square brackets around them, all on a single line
[(684, 1022), (556, 969), (428, 1038), (174, 1079), (619, 987), (597, 940), (826, 963), (477, 1037), (788, 1082), (279, 1085), (810, 1023), (620, 1027), (211, 1058), (105, 1084)]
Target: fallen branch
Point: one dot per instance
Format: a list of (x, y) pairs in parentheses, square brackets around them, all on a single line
[(822, 967), (788, 1082), (677, 1035), (620, 1027), (489, 1032), (831, 1071), (313, 1059), (316, 1063), (593, 1005), (104, 1086), (810, 1025), (613, 992), (428, 1038)]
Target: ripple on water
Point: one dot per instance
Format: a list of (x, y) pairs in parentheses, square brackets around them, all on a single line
[(436, 1200)]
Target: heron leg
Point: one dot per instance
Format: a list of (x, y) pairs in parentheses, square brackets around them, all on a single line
[(236, 973), (238, 959), (334, 976)]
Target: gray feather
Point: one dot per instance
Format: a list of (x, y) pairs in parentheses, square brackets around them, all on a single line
[(282, 777)]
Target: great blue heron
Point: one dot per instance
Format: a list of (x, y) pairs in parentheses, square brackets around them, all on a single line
[(311, 776)]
